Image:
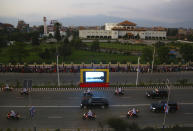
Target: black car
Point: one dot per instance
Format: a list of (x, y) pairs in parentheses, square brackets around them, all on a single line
[(157, 94), (94, 102), (160, 106)]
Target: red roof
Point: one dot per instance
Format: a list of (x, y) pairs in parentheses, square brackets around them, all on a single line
[(127, 23)]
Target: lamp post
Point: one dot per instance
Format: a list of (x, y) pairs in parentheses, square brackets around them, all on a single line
[(153, 59), (167, 84), (137, 71)]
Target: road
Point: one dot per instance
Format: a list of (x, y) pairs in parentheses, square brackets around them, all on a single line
[(61, 108), (74, 78)]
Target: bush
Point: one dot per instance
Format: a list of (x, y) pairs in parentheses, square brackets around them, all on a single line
[(117, 124)]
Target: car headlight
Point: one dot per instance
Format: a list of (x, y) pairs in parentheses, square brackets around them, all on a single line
[(153, 108)]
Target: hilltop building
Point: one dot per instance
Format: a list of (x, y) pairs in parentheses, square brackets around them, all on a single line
[(125, 29), (50, 29), (22, 26)]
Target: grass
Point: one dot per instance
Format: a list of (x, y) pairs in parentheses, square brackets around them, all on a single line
[(79, 56), (118, 46)]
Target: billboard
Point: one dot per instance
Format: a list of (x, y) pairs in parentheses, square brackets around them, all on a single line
[(94, 77)]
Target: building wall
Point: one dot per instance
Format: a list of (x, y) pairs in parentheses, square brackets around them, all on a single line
[(103, 34), (109, 26)]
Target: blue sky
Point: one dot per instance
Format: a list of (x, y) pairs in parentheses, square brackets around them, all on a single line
[(166, 11)]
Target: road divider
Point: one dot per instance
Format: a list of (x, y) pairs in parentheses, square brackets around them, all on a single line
[(124, 105)]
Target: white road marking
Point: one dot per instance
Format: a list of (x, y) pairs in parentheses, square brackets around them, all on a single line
[(19, 97), (55, 117), (188, 113), (129, 105), (186, 103), (122, 116)]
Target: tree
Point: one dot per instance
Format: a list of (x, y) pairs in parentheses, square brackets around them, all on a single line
[(138, 37), (57, 31), (46, 54), (65, 48), (147, 54), (186, 51), (17, 52), (77, 43), (117, 124), (3, 41), (163, 54), (95, 46), (35, 38)]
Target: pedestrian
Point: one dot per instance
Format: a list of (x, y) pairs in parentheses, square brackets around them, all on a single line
[(32, 111)]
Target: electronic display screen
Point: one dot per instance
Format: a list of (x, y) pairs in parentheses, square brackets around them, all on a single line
[(95, 77)]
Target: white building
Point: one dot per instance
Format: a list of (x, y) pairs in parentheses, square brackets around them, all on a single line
[(109, 26), (124, 29), (98, 34)]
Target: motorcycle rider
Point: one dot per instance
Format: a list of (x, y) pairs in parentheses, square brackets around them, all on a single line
[(90, 114), (134, 111), (24, 90), (12, 113), (119, 90)]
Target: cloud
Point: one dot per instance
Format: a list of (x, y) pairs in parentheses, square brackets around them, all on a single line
[(169, 11)]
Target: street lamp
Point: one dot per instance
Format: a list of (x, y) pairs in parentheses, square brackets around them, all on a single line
[(153, 59), (137, 71), (167, 84)]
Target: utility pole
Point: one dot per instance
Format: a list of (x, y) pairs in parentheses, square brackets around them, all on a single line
[(137, 72), (153, 59), (167, 84), (58, 72)]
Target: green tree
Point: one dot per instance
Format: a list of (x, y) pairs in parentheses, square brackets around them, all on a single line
[(147, 54), (95, 46), (57, 31), (3, 41), (35, 38), (17, 52), (163, 55), (186, 51), (138, 37), (65, 49), (117, 124)]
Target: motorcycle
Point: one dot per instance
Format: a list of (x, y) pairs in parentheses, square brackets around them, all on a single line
[(85, 116), (16, 117), (119, 93), (7, 89), (24, 92), (130, 114)]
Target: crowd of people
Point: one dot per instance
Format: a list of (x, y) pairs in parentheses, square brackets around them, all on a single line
[(76, 69)]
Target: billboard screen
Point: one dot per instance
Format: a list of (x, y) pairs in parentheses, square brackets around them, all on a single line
[(94, 77)]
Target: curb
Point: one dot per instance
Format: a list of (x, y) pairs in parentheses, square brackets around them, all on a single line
[(100, 88)]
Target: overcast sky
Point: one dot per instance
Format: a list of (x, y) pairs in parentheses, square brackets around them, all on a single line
[(168, 11)]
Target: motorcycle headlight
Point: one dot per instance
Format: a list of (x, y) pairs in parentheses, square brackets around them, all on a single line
[(153, 108)]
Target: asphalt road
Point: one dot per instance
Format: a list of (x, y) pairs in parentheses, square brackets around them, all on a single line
[(61, 109), (74, 78)]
